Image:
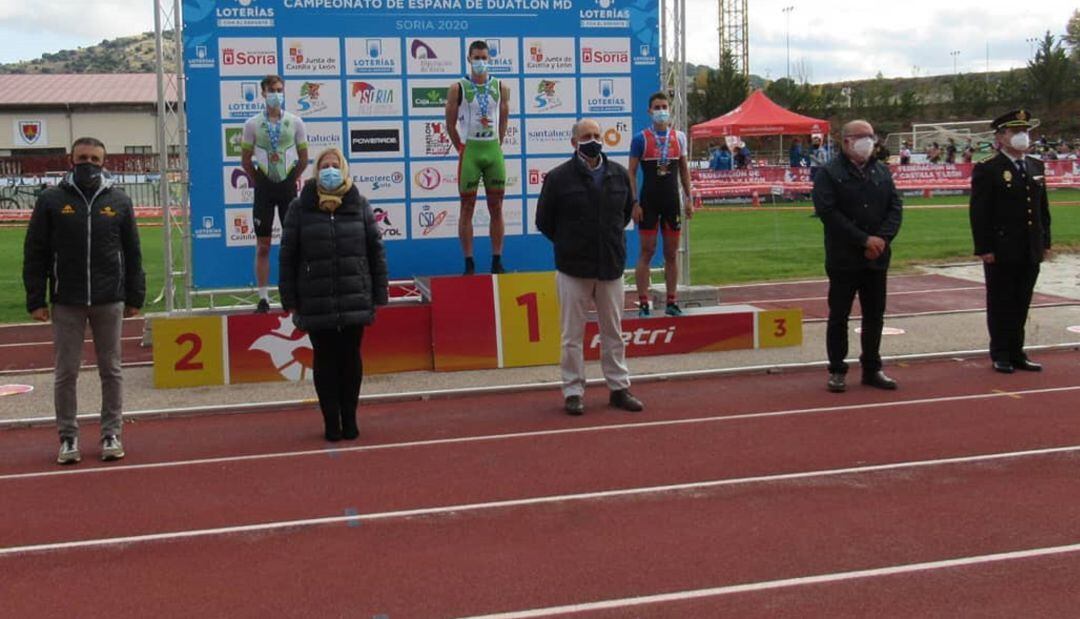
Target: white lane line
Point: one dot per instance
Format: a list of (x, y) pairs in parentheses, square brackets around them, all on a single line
[(134, 338), (532, 434), (528, 502), (891, 294), (782, 283), (767, 585)]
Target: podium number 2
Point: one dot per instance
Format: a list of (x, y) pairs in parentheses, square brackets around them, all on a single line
[(533, 314), (781, 327), (186, 362)]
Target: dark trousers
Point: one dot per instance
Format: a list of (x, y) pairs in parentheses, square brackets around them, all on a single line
[(1008, 295), (338, 374), (870, 285)]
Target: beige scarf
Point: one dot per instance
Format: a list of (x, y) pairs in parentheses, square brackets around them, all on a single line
[(330, 200)]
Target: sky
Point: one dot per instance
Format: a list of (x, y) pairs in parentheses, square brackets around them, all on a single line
[(831, 40)]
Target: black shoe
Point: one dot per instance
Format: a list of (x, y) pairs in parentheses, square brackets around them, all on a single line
[(625, 400), (1004, 367), (263, 307), (574, 405), (837, 382), (879, 380), (332, 425), (470, 267), (497, 266), (349, 430), (1027, 365)]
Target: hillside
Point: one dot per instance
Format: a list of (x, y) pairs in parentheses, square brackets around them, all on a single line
[(133, 54)]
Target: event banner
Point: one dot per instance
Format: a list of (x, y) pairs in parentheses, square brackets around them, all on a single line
[(371, 77)]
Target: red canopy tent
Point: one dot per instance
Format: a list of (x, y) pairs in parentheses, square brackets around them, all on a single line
[(759, 115)]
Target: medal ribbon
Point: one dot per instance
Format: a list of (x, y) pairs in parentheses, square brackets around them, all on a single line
[(273, 131), (665, 146)]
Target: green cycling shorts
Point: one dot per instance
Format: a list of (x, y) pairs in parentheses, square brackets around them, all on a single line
[(481, 160)]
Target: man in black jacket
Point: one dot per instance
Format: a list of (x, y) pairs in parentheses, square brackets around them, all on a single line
[(584, 207), (856, 199), (1010, 223), (82, 246)]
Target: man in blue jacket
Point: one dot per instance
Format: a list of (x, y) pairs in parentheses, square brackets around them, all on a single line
[(856, 199), (82, 252)]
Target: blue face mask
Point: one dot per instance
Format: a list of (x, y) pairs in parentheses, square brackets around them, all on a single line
[(661, 116), (330, 178), (275, 100), (479, 67)]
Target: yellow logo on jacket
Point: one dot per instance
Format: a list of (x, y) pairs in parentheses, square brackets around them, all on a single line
[(67, 210), (108, 211)]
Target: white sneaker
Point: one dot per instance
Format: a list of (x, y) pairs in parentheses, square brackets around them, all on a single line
[(69, 451), (111, 448)]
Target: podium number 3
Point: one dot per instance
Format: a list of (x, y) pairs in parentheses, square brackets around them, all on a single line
[(533, 314), (186, 362), (781, 327)]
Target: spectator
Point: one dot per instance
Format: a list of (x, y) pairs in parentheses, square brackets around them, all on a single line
[(969, 153), (742, 156), (933, 154), (721, 159), (905, 153), (819, 156), (881, 152), (333, 276), (583, 209), (82, 246), (795, 154), (950, 151)]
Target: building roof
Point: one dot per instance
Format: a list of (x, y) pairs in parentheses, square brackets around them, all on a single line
[(78, 89)]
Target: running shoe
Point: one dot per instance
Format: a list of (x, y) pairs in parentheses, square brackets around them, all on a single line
[(111, 448), (673, 310), (69, 451), (643, 310), (263, 307)]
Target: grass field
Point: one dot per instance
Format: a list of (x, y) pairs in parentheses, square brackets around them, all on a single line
[(727, 246)]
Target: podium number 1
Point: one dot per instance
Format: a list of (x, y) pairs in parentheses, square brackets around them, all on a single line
[(533, 314)]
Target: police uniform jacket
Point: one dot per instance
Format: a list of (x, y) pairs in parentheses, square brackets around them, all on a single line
[(1010, 213)]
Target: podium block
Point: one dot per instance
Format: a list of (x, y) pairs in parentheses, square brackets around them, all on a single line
[(779, 328), (188, 352), (463, 323), (529, 319)]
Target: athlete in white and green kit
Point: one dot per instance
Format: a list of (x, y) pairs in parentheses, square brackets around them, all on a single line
[(481, 105)]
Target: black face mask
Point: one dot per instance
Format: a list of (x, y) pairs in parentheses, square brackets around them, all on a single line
[(590, 149), (87, 175)]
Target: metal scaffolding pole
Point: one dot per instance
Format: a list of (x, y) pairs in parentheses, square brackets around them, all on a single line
[(674, 79), (172, 153)]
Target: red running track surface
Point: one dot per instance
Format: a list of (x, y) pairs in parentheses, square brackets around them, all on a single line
[(29, 346), (467, 561)]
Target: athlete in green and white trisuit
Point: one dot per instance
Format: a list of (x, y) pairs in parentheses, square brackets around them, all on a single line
[(481, 104)]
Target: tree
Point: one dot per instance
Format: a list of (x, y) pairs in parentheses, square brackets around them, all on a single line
[(971, 95), (1050, 71), (1072, 34), (720, 91)]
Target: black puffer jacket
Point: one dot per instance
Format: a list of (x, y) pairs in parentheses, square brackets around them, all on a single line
[(585, 223), (333, 267), (83, 249), (855, 205)]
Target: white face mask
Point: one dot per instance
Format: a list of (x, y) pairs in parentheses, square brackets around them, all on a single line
[(1020, 141), (863, 147)]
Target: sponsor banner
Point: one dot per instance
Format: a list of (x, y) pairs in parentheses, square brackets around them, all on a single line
[(304, 56), (322, 135), (512, 218), (244, 14), (314, 98), (605, 55), (202, 59), (433, 56), (606, 14), (616, 133), (231, 137), (430, 138), (239, 186), (392, 220), (268, 348), (371, 97), (255, 57), (551, 95), (503, 54), (536, 170), (512, 142), (530, 216), (692, 332), (379, 180), (606, 95), (241, 99), (435, 219), (240, 228), (549, 136), (550, 55), (375, 140), (373, 56), (755, 175), (434, 179), (208, 227), (428, 97), (29, 132)]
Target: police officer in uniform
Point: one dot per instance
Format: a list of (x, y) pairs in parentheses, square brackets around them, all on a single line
[(1010, 223)]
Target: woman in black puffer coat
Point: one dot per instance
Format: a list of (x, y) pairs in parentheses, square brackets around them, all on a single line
[(333, 276)]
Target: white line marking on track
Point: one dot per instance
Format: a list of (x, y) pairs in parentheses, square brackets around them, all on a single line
[(679, 596), (533, 434), (528, 502), (133, 338), (891, 294)]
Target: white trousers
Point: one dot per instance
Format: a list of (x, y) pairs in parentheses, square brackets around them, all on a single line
[(575, 296)]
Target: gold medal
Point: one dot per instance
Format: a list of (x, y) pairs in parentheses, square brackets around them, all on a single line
[(1007, 175), (275, 157)]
